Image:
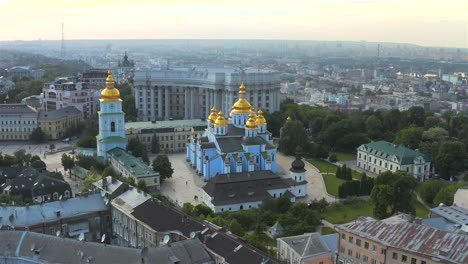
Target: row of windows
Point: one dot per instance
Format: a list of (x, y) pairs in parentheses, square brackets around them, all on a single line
[(16, 129), (357, 242), (14, 122), (358, 256), (21, 137), (404, 259)]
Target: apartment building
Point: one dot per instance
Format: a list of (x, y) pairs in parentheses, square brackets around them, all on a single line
[(17, 121), (56, 123)]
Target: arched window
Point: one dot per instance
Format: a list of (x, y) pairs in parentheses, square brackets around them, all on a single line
[(112, 126)]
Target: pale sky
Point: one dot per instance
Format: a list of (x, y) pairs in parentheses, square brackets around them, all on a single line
[(425, 22)]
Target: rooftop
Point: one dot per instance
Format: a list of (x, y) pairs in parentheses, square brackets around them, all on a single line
[(39, 248), (59, 113), (16, 109), (132, 164), (108, 184), (166, 124), (452, 213), (130, 199), (414, 238), (23, 216), (312, 244), (385, 150)]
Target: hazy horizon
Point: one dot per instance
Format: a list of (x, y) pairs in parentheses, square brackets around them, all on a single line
[(425, 23)]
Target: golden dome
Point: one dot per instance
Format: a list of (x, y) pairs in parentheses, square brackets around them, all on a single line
[(250, 124), (260, 120), (212, 117), (242, 106), (221, 121), (110, 93)]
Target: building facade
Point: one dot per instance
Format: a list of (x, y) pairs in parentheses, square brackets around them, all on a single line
[(396, 240), (56, 123), (67, 91), (189, 93), (310, 248), (381, 156), (172, 135), (239, 143), (17, 121), (111, 120), (95, 78)]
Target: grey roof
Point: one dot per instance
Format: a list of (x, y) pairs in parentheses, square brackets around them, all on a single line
[(230, 144), (51, 249), (108, 184), (24, 216), (59, 113), (244, 187), (454, 214), (312, 244), (16, 109), (440, 223), (386, 150), (130, 199), (131, 163), (166, 124), (414, 238)]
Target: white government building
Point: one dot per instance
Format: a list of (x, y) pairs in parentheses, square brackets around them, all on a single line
[(190, 93)]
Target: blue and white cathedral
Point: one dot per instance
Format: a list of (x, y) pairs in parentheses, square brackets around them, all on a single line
[(240, 143), (111, 120)]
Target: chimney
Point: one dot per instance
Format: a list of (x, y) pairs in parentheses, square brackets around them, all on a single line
[(104, 183)]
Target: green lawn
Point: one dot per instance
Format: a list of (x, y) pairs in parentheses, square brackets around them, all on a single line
[(343, 156), (331, 182), (340, 213), (327, 230)]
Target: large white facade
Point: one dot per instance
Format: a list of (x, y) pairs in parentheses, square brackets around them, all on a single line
[(17, 122), (190, 93)]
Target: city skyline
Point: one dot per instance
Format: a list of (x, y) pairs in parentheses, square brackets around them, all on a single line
[(415, 22)]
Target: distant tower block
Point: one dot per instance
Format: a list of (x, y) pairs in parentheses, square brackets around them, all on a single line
[(62, 46)]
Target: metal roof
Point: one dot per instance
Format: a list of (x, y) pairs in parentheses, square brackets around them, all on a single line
[(386, 150), (312, 244), (414, 238), (166, 124), (452, 213)]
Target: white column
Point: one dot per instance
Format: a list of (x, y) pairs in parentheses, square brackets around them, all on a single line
[(263, 99), (166, 97), (153, 114), (192, 103), (186, 102), (207, 102), (216, 103), (160, 98), (137, 101), (145, 103), (255, 102)]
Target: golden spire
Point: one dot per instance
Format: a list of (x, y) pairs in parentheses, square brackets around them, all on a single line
[(242, 89), (212, 117), (220, 120), (250, 124), (110, 93), (260, 120), (242, 105)]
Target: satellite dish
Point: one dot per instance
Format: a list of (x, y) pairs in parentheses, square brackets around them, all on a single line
[(81, 237), (166, 239), (144, 252), (60, 198), (32, 247), (192, 234), (103, 193), (103, 238), (57, 233), (106, 201)]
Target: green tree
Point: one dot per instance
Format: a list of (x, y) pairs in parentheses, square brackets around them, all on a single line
[(446, 194), (109, 171), (202, 210), (338, 172), (450, 158), (429, 190), (68, 163), (332, 158), (374, 127), (22, 158), (416, 116), (90, 178), (293, 135), (87, 142), (162, 164), (431, 140), (235, 228), (410, 137), (188, 208), (38, 136), (52, 147), (155, 148), (142, 185)]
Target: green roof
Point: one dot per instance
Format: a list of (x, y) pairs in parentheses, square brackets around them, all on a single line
[(112, 139), (131, 163), (386, 150)]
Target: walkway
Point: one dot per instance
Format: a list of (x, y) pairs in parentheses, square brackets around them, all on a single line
[(315, 184)]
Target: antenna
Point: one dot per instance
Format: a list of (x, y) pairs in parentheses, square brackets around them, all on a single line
[(166, 239), (103, 238), (60, 198), (32, 247), (57, 233), (106, 201), (192, 234), (62, 47), (81, 237)]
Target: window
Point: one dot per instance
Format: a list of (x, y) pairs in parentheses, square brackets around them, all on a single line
[(351, 239), (342, 249), (366, 245), (350, 252), (358, 256), (365, 258), (413, 261), (373, 261), (374, 248), (394, 255), (383, 251), (358, 242), (112, 126), (404, 258), (423, 262)]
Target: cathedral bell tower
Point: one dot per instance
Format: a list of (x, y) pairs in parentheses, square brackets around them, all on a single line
[(111, 120)]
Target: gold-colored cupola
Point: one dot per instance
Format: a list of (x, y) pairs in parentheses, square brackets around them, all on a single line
[(110, 93), (242, 106)]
